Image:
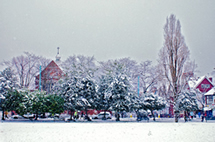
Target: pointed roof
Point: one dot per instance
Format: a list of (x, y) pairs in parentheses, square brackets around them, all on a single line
[(195, 83), (51, 66)]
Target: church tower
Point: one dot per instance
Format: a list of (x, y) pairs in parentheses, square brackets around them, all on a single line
[(58, 55)]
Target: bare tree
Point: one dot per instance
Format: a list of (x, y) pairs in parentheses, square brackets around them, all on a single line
[(26, 67), (148, 75), (173, 57), (80, 66)]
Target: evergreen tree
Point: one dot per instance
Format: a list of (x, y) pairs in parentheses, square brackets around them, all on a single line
[(37, 103), (153, 102), (69, 90), (187, 102), (20, 102), (121, 95), (13, 102), (104, 94), (54, 103), (136, 104), (87, 89), (7, 86)]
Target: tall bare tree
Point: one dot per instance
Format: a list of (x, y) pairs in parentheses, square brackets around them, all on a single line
[(172, 58)]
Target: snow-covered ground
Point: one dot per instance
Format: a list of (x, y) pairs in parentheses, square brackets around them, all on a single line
[(107, 132)]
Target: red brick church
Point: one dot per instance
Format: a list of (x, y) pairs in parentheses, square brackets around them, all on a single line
[(50, 75)]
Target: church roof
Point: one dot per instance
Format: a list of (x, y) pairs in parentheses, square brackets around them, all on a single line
[(51, 68)]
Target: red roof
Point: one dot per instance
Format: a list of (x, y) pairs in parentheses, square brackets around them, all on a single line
[(203, 84), (51, 70)]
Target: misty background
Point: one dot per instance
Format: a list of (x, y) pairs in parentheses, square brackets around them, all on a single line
[(110, 29)]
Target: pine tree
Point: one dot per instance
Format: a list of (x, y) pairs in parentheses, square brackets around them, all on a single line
[(37, 103), (121, 95), (153, 102), (187, 102), (87, 89), (20, 102), (54, 103), (69, 90), (104, 94)]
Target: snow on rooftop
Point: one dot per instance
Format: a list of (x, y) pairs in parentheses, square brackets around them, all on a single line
[(211, 92), (193, 83)]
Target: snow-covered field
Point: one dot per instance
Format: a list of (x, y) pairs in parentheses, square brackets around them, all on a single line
[(107, 132)]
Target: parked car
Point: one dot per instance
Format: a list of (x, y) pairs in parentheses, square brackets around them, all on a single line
[(64, 117), (17, 117), (28, 116), (101, 115), (56, 115)]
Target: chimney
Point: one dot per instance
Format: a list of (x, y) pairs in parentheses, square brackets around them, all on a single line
[(210, 78)]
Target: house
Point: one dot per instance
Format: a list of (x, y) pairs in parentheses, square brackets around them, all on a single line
[(206, 87), (203, 84)]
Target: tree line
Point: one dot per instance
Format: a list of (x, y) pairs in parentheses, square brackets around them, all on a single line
[(81, 94), (168, 78)]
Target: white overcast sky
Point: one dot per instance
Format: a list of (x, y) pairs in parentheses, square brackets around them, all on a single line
[(106, 29)]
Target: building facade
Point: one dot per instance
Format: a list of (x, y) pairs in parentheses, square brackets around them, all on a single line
[(49, 76)]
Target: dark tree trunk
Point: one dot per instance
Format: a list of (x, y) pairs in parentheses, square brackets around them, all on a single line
[(138, 115), (44, 115), (36, 116), (153, 115), (176, 112), (176, 116), (86, 116), (86, 112), (185, 116), (3, 114), (117, 116)]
